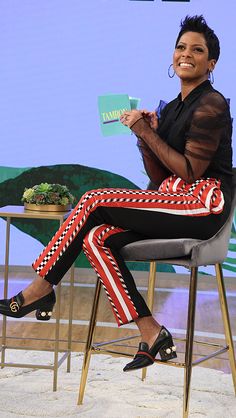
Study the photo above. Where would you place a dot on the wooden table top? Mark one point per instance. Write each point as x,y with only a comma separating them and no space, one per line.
21,212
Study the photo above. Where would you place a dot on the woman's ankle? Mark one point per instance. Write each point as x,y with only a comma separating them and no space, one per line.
149,329
36,290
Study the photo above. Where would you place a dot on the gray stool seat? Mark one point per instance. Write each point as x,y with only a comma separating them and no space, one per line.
158,249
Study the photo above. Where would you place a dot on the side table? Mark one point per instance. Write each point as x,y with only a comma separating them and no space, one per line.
10,212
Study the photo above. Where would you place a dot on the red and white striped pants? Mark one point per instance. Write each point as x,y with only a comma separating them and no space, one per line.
106,219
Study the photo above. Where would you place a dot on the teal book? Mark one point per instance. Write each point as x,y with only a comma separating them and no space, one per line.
111,107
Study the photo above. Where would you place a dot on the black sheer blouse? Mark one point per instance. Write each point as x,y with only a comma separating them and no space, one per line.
193,139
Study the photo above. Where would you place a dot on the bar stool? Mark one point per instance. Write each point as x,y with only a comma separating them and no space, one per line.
192,254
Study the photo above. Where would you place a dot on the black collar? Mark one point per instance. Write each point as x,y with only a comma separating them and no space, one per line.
180,104
205,85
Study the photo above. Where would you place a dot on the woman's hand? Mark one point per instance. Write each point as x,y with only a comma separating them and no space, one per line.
129,117
151,118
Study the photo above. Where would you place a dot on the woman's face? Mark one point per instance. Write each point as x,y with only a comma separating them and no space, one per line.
190,59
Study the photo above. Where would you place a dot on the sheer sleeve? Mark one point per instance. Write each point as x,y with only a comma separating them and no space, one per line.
153,166
202,138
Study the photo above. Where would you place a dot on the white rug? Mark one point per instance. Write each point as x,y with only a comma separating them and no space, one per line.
110,393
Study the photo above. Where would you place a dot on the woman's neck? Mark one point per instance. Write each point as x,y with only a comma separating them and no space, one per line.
187,86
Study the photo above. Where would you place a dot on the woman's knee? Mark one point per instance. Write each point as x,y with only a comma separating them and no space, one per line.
91,238
97,236
90,193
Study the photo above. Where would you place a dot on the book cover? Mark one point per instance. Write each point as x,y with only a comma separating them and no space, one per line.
110,108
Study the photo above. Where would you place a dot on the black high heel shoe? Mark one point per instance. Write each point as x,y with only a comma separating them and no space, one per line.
146,356
43,306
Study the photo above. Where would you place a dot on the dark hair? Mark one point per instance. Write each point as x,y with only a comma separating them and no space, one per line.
198,24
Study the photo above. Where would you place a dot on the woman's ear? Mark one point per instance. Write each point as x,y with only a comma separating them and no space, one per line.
212,64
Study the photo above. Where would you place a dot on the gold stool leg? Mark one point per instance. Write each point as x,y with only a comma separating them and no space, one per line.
71,302
150,298
189,340
57,336
6,274
226,321
89,342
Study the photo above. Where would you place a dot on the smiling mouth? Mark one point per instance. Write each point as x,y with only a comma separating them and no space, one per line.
186,65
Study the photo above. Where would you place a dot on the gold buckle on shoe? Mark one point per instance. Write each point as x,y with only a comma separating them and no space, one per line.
14,306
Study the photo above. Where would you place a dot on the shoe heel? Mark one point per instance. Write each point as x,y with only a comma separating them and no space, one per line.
44,314
168,350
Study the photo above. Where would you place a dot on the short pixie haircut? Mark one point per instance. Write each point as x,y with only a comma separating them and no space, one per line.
198,24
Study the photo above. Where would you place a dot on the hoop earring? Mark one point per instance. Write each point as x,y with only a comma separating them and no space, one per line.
169,73
211,77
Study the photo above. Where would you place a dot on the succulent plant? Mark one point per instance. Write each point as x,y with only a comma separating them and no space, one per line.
48,194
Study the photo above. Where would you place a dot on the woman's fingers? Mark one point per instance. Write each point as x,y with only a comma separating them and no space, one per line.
128,118
154,120
124,118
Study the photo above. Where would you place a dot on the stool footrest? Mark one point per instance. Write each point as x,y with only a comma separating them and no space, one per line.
98,348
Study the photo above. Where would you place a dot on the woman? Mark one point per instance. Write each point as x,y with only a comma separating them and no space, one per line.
187,155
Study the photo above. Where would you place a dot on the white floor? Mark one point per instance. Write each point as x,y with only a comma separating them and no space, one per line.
110,393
